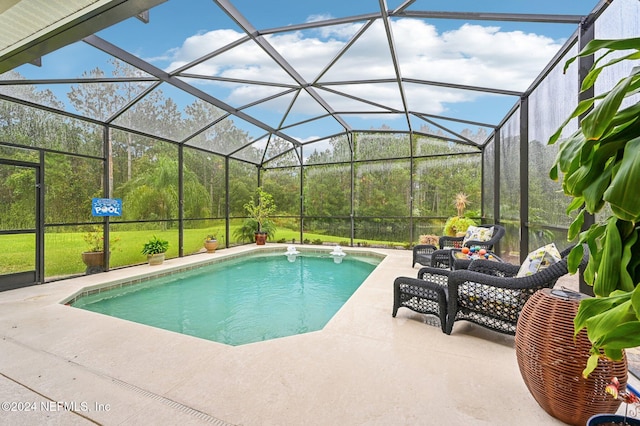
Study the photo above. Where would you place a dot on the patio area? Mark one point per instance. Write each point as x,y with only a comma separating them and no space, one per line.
363,121
365,367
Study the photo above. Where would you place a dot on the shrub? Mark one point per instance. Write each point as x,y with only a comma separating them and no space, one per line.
155,246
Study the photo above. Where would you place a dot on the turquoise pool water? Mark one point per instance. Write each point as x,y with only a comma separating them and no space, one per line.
243,300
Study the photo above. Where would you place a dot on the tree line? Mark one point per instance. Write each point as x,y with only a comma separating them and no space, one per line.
144,169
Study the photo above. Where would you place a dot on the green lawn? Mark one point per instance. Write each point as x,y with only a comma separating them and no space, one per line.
63,250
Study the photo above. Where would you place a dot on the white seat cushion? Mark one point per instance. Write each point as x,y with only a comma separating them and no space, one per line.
477,233
539,259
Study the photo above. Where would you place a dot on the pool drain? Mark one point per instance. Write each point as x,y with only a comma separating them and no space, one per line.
173,404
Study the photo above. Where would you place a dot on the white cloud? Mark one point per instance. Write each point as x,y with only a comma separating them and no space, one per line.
319,18
199,45
469,55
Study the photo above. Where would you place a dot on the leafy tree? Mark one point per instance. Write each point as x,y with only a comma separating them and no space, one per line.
95,100
327,190
70,185
29,92
105,100
18,196
153,194
280,153
338,151
284,185
373,146
33,127
208,171
382,189
242,182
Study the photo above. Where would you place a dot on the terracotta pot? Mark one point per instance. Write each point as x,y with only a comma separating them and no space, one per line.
261,238
211,245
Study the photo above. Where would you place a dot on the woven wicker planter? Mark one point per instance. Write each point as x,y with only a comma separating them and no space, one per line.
612,419
551,361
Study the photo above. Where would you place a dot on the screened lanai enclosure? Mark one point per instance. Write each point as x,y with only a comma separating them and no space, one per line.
362,119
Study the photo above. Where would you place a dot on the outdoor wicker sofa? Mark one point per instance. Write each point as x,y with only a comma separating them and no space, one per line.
488,293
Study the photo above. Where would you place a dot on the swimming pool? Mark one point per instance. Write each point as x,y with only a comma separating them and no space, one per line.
241,300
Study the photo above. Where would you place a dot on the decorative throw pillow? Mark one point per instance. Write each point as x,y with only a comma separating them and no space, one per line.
477,233
539,259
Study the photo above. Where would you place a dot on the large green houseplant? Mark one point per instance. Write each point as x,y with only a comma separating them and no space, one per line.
600,169
258,225
456,226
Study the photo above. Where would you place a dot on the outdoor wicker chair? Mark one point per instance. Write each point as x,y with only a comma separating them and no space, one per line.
441,258
422,253
488,293
491,295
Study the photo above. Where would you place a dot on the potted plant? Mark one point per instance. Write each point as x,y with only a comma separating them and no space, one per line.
211,243
155,249
613,389
93,257
430,239
456,226
259,208
600,167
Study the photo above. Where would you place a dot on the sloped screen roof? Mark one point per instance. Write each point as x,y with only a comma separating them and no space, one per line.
302,72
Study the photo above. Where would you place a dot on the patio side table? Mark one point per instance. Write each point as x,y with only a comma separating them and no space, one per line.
459,260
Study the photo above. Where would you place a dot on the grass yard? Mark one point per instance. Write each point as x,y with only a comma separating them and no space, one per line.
63,249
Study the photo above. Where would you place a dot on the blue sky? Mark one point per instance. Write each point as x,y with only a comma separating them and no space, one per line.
506,55
172,24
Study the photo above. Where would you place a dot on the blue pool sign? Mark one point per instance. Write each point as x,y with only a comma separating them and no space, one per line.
106,207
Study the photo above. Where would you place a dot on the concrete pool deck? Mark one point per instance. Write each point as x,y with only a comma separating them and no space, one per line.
66,366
